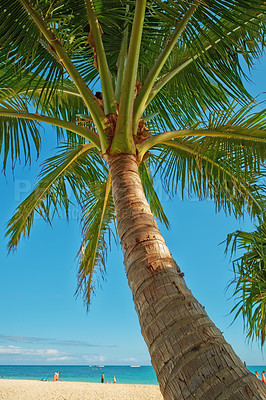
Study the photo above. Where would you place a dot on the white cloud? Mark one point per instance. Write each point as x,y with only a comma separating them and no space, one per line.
11,350
50,342
52,351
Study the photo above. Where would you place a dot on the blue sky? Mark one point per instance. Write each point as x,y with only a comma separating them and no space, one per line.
42,322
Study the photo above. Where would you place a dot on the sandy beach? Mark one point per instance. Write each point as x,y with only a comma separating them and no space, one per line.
11,389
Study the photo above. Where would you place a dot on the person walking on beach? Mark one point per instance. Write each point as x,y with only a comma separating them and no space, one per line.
114,380
263,377
257,374
102,378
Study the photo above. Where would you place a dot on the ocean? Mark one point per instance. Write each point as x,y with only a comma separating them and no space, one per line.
124,374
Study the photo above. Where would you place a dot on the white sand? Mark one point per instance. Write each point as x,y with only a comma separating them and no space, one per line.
11,389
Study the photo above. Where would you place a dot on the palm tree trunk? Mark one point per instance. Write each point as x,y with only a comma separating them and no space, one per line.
189,354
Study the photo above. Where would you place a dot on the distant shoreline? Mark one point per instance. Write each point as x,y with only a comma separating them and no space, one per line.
132,375
5,378
124,374
93,366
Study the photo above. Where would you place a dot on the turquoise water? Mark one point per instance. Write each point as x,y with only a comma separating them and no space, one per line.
124,374
258,368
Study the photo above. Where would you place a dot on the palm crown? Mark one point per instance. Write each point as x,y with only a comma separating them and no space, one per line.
178,75
167,71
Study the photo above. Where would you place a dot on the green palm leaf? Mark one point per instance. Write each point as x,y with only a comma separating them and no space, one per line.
219,158
98,215
237,122
36,56
250,279
71,170
16,136
226,30
65,111
206,68
216,169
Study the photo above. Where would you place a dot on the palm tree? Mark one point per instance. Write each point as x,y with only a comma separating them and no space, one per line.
250,279
168,72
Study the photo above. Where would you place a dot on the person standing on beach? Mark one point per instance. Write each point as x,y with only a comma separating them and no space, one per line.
102,378
263,377
56,376
114,380
257,374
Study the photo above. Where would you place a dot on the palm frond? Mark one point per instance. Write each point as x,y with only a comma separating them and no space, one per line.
250,279
223,170
229,32
241,120
17,137
68,172
206,67
65,111
98,215
24,51
236,122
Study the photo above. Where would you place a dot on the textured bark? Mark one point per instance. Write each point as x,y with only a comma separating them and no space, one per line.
189,354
